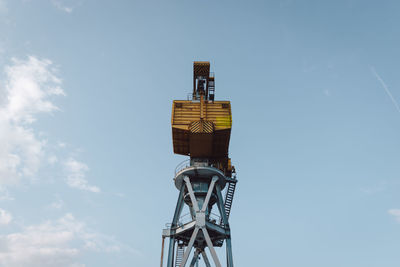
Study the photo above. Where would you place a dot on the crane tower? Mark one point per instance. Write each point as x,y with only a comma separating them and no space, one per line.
201,129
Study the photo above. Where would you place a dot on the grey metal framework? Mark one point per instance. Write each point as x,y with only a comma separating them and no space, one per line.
200,188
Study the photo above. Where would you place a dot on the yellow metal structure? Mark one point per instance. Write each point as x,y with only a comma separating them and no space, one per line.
201,127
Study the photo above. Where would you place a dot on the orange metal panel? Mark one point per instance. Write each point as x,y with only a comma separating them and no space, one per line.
215,143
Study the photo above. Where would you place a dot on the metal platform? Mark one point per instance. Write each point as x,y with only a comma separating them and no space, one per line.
204,173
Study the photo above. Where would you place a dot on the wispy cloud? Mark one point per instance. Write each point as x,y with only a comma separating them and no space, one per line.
5,217
25,92
62,145
52,159
76,172
27,88
58,204
53,243
395,213
62,6
382,82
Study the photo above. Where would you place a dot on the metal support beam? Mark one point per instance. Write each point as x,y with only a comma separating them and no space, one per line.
191,194
209,193
205,258
171,250
200,223
162,251
195,258
229,256
178,211
189,247
221,206
179,207
211,248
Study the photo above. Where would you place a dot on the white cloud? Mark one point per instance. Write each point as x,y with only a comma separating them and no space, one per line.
53,243
395,213
52,159
62,145
29,85
5,217
58,204
24,93
62,6
76,176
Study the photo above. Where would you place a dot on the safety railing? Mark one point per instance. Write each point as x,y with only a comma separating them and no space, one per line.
214,218
183,165
184,219
187,218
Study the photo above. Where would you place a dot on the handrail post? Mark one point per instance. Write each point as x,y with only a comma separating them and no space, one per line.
162,252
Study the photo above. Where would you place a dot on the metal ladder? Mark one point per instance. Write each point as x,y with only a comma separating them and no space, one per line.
179,254
228,200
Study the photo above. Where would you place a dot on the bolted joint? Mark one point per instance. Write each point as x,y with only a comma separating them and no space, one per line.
200,219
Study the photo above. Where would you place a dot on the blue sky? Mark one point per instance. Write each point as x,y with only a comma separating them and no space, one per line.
86,161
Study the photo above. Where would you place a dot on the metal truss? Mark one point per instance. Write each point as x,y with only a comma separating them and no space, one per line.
200,227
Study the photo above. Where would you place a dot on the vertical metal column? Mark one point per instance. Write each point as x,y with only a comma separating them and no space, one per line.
220,204
162,252
178,211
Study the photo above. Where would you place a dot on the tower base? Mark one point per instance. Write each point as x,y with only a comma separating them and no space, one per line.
200,187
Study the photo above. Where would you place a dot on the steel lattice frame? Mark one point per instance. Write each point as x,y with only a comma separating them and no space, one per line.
200,226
